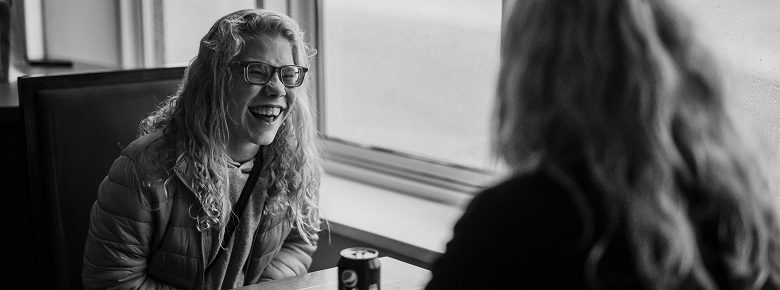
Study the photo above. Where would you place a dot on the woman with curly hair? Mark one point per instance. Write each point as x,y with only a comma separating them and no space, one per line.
629,169
221,188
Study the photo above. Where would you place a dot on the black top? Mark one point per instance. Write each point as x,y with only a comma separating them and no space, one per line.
528,233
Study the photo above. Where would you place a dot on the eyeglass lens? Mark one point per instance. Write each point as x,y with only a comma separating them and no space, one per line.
261,73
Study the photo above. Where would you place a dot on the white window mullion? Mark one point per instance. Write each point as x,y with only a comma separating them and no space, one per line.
141,33
131,34
152,33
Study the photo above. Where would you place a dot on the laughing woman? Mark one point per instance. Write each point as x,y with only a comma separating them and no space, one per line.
221,188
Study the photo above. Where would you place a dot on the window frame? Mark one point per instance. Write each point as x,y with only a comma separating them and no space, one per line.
403,172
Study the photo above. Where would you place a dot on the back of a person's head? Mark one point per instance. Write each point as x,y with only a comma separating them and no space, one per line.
624,87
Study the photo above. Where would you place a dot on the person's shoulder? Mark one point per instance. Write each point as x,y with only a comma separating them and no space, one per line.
144,145
535,186
141,164
530,216
147,155
528,202
535,178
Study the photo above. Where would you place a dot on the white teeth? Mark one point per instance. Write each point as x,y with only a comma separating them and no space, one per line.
268,111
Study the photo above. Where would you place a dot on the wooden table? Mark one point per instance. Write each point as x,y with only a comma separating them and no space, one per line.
396,275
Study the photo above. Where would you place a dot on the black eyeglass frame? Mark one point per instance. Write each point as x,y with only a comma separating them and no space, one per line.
277,70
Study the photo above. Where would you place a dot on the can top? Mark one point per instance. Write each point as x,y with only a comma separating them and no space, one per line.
359,253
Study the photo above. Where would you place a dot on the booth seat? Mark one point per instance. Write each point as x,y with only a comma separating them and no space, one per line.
75,126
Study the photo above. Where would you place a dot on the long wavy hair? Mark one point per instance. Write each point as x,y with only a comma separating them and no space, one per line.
623,87
195,120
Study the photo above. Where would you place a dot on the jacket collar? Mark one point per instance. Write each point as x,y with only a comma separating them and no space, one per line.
182,171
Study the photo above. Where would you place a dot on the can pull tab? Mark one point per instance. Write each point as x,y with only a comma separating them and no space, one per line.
361,254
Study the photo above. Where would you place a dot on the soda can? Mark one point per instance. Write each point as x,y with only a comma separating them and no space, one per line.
359,269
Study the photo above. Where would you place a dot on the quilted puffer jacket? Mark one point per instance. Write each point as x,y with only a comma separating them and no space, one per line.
142,238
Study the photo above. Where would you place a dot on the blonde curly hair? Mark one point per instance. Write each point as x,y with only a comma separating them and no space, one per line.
623,86
195,120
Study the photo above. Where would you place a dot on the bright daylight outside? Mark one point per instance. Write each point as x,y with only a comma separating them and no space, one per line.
745,37
412,76
418,77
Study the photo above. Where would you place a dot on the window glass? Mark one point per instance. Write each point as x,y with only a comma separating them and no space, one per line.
412,76
745,36
185,22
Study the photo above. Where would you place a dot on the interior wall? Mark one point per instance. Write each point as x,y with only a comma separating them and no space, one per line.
71,34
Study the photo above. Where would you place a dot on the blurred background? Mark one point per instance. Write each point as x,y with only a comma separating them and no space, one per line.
404,89
409,76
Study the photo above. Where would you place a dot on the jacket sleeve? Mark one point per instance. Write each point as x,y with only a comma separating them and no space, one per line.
293,259
120,231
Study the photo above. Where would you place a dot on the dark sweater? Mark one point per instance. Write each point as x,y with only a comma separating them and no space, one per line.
527,233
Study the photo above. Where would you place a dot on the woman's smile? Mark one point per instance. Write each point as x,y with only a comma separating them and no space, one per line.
267,113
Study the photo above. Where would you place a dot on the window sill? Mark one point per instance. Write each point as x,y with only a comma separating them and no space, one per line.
388,213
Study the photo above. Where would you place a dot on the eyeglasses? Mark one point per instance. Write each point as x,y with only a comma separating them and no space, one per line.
260,73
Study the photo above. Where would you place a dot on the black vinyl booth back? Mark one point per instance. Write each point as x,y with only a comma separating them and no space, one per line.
76,125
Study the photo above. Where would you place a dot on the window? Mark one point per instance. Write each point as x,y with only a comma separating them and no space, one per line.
393,81
156,32
184,22
412,76
745,36
407,86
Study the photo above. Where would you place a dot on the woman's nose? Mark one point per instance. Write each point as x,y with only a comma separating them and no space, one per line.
274,88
